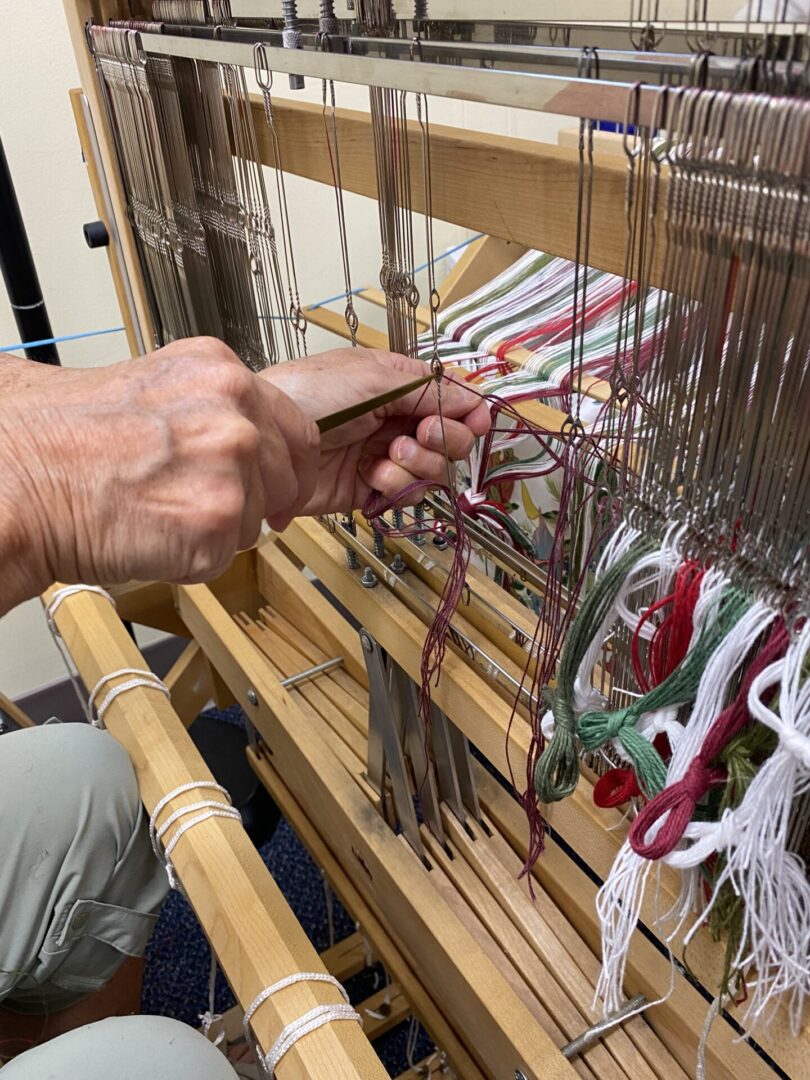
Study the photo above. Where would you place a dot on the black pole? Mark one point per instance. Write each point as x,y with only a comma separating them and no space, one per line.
19,272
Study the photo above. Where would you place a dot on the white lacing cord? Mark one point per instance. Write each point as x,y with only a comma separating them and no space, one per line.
50,612
141,677
304,1025
209,808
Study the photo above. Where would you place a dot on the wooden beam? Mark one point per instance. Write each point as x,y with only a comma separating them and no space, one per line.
480,262
251,928
533,201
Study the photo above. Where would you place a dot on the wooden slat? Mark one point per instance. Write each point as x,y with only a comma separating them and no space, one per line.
346,958
377,298
335,323
15,713
527,919
391,1009
447,954
303,605
77,13
679,1019
515,189
254,933
77,103
189,682
373,926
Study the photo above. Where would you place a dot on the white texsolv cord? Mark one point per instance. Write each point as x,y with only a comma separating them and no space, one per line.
50,613
304,1025
140,677
204,810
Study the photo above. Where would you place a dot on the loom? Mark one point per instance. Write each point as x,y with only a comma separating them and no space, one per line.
590,252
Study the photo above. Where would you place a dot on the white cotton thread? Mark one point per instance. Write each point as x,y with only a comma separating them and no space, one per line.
209,1019
210,808
310,1021
620,898
142,678
50,612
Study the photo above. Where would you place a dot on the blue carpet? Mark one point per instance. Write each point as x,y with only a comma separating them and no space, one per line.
178,956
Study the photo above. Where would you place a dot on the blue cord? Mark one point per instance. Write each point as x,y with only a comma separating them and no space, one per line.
313,307
57,340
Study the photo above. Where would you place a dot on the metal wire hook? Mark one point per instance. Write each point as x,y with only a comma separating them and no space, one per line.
261,67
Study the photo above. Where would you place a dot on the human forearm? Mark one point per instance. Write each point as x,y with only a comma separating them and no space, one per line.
23,572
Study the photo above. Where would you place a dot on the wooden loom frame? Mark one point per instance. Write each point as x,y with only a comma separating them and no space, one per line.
512,215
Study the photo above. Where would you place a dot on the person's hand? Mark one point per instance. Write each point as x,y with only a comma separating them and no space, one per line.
391,448
159,468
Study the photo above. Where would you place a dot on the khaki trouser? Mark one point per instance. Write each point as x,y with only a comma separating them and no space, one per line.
80,889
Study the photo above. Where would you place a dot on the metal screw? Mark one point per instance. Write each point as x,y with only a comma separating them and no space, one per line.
327,23
291,36
440,542
379,544
369,578
397,517
252,696
399,566
419,518
366,641
519,1075
352,560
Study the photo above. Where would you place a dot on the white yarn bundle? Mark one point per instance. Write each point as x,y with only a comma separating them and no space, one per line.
620,899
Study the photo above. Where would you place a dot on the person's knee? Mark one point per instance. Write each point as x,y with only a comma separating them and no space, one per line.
138,1047
67,773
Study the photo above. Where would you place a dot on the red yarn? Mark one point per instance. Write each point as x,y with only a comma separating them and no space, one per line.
615,788
670,642
677,802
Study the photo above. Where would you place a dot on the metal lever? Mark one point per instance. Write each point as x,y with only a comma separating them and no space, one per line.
403,691
384,743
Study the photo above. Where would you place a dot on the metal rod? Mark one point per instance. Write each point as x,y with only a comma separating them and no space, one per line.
310,673
556,94
20,273
586,1040
530,77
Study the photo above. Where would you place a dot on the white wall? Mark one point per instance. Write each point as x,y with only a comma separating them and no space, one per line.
42,147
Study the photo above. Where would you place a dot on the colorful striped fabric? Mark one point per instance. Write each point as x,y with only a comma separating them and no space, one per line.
530,306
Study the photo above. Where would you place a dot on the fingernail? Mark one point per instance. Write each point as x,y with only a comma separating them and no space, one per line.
405,450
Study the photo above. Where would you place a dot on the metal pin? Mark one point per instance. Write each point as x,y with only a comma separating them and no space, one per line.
310,673
586,1040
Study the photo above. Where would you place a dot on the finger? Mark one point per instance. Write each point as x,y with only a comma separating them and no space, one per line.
253,513
434,433
391,479
457,400
424,464
280,421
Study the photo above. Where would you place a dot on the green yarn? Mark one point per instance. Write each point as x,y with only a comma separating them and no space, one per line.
679,688
557,770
